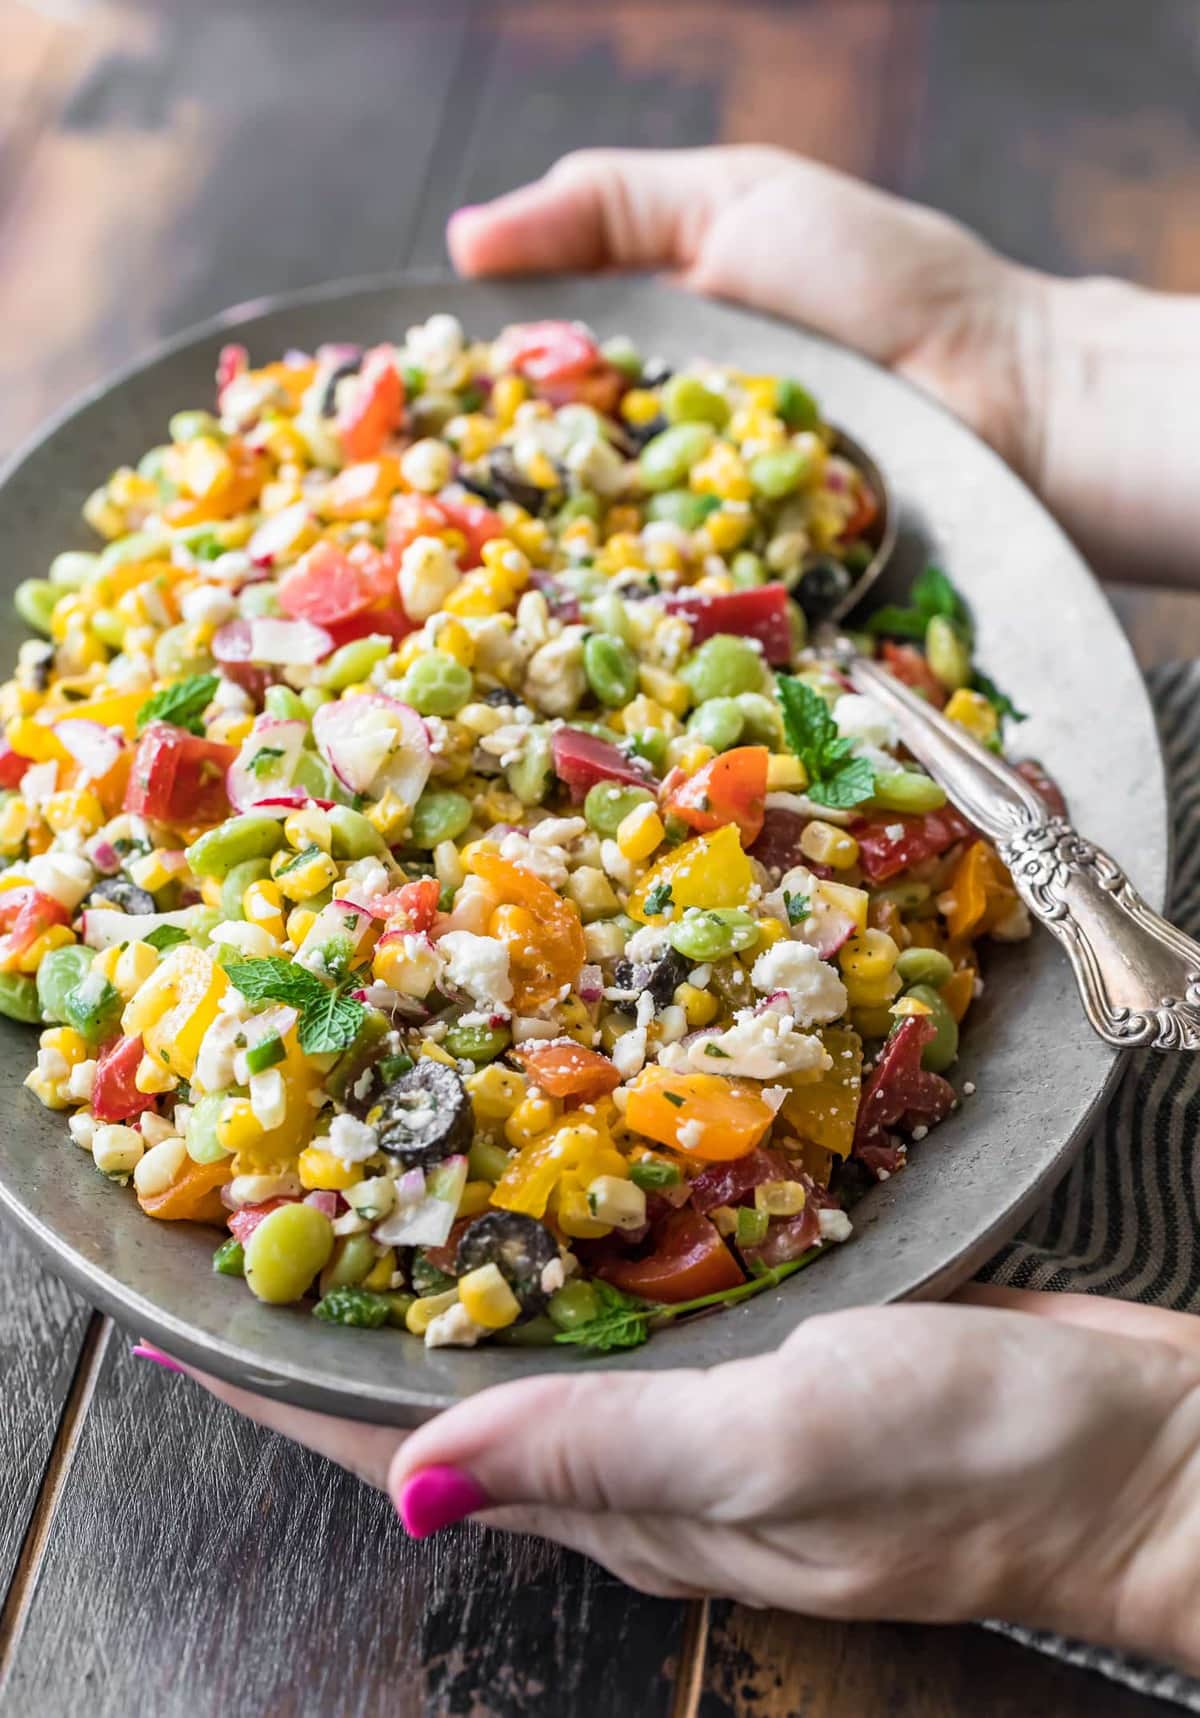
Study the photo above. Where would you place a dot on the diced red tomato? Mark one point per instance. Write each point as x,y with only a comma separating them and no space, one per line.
901,1093
374,405
687,1258
410,517
906,662
732,788
24,915
419,901
864,515
12,766
178,778
788,1238
115,1097
889,844
731,1183
477,522
581,760
600,388
328,584
778,846
243,1223
445,1257
569,1071
547,351
760,614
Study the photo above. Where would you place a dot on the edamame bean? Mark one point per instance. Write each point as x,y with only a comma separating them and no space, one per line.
947,653
651,744
238,881
707,933
72,569
611,669
763,720
585,505
573,1304
665,461
486,1161
437,685
682,507
607,613
239,838
722,667
61,971
439,815
534,1333
19,998
623,355
747,570
718,723
311,699
284,704
528,775
943,1048
351,835
286,1250
257,600
353,1259
138,546
314,775
795,405
477,1043
186,426
353,662
924,966
608,804
780,471
907,790
109,628
685,399
201,1138
34,601
175,651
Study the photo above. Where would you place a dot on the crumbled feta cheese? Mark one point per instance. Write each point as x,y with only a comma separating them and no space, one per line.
433,345
553,1276
250,940
229,696
268,1098
454,1328
253,1189
969,1089
207,605
691,1135
351,1140
774,1095
478,965
529,1026
646,943
815,992
546,861
835,1225
862,718
557,831
82,1129
629,1052
618,867
214,1069
65,876
762,1046
52,1064
80,1082
367,879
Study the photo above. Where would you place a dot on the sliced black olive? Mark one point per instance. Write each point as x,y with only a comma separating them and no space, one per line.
424,1116
501,695
348,367
850,1178
496,479
660,977
117,892
821,587
37,664
640,434
655,371
520,1247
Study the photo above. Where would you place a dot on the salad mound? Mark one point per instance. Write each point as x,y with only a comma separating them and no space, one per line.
435,858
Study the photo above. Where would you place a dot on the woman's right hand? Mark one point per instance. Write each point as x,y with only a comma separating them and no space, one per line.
1090,389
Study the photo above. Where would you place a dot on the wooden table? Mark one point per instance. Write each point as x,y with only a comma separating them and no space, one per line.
159,161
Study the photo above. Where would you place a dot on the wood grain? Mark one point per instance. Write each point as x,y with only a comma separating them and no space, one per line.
201,1567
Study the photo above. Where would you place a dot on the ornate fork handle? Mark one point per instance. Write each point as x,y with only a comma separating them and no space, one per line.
1138,976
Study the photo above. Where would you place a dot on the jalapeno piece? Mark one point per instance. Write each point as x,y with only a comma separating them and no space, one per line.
520,1247
424,1116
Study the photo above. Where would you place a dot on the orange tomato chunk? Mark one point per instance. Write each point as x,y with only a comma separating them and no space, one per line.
704,1116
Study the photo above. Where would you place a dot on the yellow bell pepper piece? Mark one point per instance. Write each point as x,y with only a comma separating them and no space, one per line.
175,1008
826,1111
708,871
574,1151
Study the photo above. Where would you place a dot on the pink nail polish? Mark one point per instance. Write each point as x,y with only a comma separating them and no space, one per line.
143,1351
465,209
437,1497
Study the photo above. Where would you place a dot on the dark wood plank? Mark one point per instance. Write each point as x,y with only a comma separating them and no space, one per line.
1163,626
42,1327
200,1567
766,1664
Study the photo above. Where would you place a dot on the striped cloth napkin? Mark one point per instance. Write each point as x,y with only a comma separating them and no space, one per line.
1125,1221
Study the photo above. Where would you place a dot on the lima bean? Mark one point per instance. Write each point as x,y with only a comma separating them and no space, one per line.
947,653
19,998
611,669
239,838
238,881
907,790
718,723
708,933
924,966
352,836
665,461
943,1048
723,666
34,601
439,815
286,1251
685,399
353,662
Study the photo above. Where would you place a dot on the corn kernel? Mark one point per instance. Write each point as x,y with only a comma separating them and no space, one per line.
699,1006
105,963
532,1116
693,757
299,922
135,962
431,1052
210,891
55,936
665,689
785,774
312,872
972,711
78,810
153,871
70,1045
390,816
906,1005
640,832
780,1198
452,637
829,845
872,1022
508,392
206,470
532,537
231,729
722,472
495,1092
116,1150
320,1169
475,1198
727,528
103,515
238,1127
487,1298
153,1076
308,828
770,931
869,956
872,992
14,825
575,1021
640,406
480,593
422,1313
262,905
575,1216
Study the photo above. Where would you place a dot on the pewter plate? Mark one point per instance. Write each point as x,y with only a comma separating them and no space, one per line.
1045,633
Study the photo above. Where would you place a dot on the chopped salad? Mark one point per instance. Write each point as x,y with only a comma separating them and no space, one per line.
436,859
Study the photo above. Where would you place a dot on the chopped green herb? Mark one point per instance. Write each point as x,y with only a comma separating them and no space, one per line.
658,899
675,1098
182,704
798,907
835,776
653,1173
1000,701
353,1306
265,1053
229,1260
263,760
165,937
716,1050
329,1020
932,594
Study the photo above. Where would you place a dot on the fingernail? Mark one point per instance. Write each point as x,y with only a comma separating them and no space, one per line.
466,209
437,1497
143,1351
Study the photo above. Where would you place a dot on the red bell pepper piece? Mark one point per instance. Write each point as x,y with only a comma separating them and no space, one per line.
12,766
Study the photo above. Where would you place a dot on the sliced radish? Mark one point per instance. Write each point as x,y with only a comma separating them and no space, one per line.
105,926
283,804
94,747
338,938
286,643
266,763
374,744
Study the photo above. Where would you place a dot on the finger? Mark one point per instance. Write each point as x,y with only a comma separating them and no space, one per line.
605,208
1096,1312
626,1548
365,1450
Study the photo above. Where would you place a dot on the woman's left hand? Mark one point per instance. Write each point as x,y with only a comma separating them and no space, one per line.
1025,1456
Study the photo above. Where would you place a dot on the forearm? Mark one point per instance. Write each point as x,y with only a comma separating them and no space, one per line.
1113,410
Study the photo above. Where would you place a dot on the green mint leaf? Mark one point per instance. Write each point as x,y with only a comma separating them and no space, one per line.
891,621
1000,701
807,722
165,937
182,704
621,1322
933,593
798,907
658,899
330,1022
849,785
276,980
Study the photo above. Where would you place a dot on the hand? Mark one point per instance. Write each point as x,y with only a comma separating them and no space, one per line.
1031,1457
1090,389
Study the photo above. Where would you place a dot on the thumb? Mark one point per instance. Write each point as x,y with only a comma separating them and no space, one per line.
608,1442
600,208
